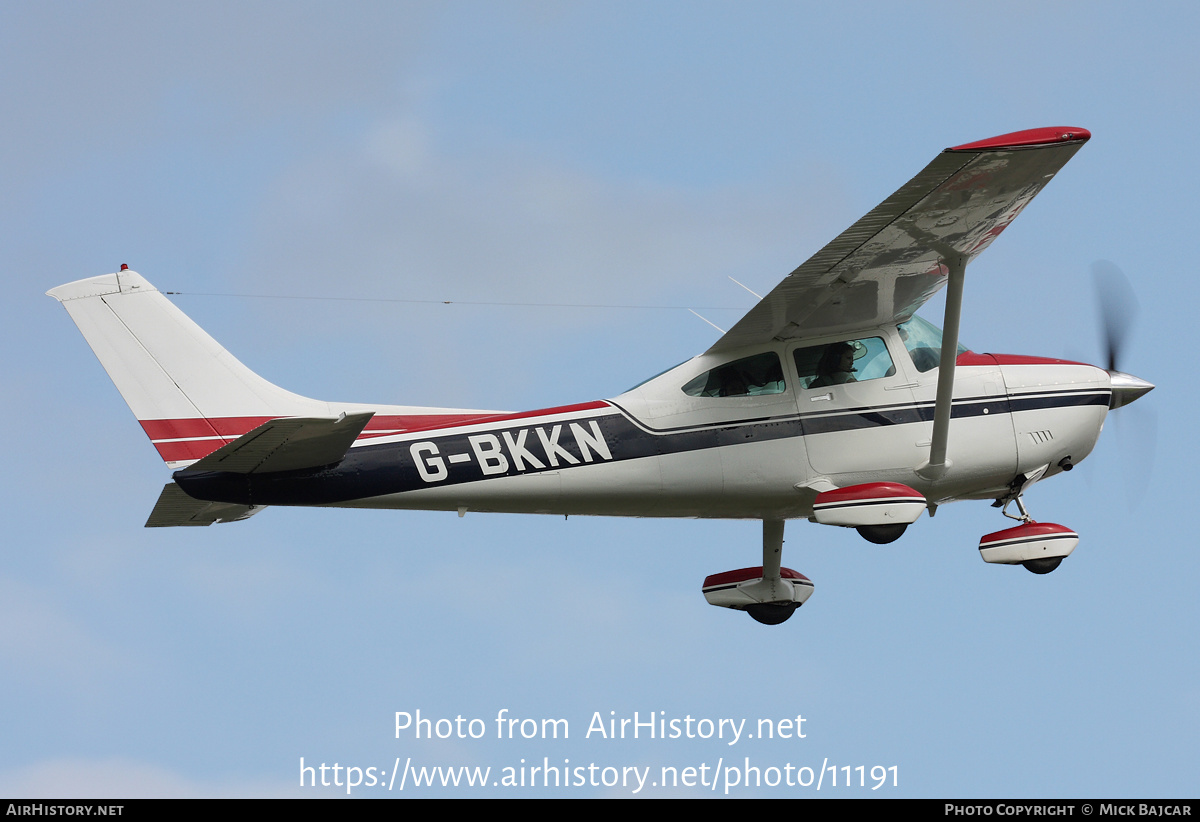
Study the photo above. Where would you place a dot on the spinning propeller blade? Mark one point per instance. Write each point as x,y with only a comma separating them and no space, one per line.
1118,308
1139,435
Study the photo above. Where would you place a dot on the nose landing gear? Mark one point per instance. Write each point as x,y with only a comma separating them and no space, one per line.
1038,546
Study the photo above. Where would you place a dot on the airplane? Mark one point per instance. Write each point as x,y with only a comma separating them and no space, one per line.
830,400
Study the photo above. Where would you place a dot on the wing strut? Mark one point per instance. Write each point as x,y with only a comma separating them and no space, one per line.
937,464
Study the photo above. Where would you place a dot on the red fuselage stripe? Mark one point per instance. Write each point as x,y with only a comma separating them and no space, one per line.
191,439
971,358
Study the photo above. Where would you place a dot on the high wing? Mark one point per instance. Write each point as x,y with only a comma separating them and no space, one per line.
885,266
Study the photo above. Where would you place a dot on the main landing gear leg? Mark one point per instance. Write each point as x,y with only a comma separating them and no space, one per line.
773,613
769,593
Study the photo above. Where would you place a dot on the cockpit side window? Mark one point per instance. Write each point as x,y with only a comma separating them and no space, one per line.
923,340
752,376
842,362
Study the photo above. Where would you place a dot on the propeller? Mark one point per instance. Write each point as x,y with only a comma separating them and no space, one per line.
1118,309
1139,437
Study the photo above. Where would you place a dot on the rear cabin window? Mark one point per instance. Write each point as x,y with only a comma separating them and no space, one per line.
752,376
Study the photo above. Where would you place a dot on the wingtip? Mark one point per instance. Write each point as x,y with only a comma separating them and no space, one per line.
126,280
1030,137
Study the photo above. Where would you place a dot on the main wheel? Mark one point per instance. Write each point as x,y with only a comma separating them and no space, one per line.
1042,566
772,614
882,534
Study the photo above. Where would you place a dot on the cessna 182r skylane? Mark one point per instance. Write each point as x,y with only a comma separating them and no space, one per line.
828,401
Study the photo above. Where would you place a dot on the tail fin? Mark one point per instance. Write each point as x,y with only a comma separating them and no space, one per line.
190,394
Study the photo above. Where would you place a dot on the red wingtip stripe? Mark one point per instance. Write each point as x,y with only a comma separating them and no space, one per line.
1030,137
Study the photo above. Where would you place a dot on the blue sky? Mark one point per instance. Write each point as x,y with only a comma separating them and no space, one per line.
581,154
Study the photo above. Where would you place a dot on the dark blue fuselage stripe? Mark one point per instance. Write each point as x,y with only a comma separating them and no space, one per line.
390,468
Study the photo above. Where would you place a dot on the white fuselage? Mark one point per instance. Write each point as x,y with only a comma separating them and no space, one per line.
657,451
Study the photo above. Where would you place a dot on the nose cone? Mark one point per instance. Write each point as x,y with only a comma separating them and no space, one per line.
1126,388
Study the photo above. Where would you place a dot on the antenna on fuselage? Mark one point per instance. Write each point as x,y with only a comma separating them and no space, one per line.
710,322
748,288
713,324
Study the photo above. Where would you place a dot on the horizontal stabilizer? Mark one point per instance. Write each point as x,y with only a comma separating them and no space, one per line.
174,507
288,444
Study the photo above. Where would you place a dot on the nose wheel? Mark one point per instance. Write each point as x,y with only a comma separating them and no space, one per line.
1042,566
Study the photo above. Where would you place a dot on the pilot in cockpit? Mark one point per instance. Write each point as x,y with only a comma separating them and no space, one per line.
836,366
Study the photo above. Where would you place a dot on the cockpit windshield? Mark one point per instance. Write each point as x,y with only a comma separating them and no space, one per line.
923,340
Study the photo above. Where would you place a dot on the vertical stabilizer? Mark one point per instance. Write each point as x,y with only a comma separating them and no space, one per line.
190,394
